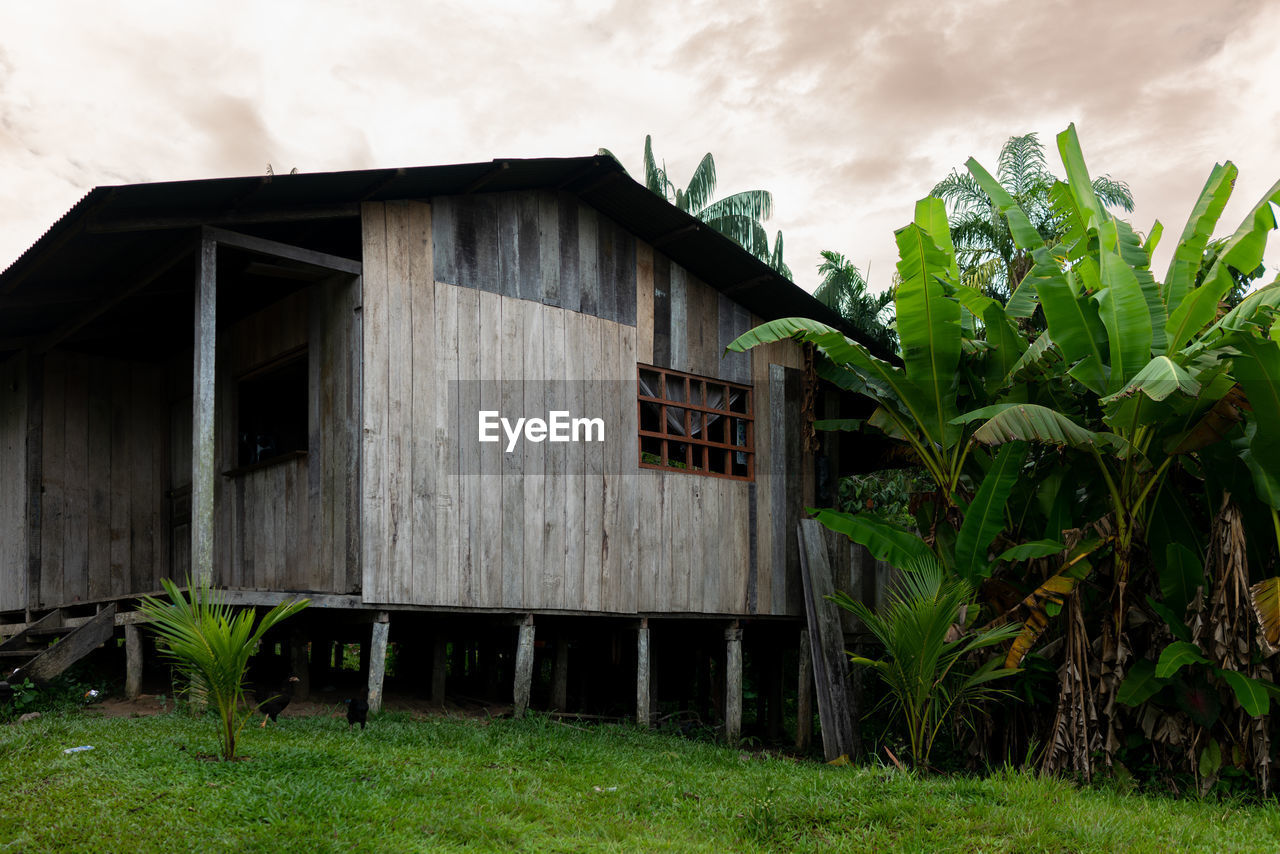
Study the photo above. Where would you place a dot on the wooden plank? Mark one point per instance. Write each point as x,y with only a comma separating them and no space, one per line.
274,248
661,310
35,477
476,249
797,495
628,444
422,417
644,302
73,647
533,481
733,321
594,466
580,386
447,439
679,327
570,296
469,484
804,695
611,581
529,245
98,468
510,487
13,473
54,484
491,454
606,289
203,474
507,228
375,552
549,247
398,478
778,511
444,230
827,643
624,275
324,431
588,260
681,509
75,517
555,496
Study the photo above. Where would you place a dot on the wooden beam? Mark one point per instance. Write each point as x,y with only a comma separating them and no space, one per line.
378,659
274,248
133,661
733,683
826,637
524,667
152,272
73,647
155,223
642,675
203,426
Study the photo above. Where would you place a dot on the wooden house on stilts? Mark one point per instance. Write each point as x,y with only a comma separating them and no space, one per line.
314,384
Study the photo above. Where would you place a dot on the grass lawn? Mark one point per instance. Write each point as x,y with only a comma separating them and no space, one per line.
537,785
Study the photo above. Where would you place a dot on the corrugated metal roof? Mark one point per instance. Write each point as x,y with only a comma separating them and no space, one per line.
109,233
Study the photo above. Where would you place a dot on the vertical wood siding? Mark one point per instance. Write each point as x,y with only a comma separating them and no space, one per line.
13,474
521,292
104,472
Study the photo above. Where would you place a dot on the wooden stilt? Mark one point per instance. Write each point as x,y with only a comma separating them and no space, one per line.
560,677
439,666
524,667
642,674
133,661
804,695
377,659
733,683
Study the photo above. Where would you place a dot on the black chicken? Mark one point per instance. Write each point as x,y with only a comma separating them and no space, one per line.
271,705
357,712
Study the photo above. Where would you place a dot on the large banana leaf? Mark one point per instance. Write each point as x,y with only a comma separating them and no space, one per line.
885,540
1196,309
1195,236
1021,422
1074,324
1024,234
1258,370
1090,209
1124,312
1159,379
1048,598
985,516
929,321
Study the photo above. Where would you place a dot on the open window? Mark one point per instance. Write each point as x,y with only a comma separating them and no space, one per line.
272,412
695,424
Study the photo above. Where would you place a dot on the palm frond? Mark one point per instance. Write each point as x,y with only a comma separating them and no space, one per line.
701,186
756,204
1113,193
745,230
961,192
1021,164
655,177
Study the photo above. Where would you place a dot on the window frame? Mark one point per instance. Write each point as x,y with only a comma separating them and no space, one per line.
695,444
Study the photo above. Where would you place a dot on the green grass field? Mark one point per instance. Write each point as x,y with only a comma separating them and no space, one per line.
537,785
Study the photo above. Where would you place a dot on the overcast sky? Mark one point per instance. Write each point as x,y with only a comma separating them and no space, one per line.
847,112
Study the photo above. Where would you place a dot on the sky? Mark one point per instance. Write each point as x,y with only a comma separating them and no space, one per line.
846,111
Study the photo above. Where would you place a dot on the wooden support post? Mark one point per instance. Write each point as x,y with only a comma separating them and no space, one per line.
203,472
524,667
560,677
300,665
133,661
733,683
378,659
642,674
439,667
804,695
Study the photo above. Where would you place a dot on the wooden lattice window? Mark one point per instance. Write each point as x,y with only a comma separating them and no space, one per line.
695,424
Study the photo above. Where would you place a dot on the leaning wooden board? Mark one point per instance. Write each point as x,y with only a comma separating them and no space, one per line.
826,639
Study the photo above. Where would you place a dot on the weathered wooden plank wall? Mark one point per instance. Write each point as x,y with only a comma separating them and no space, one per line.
537,302
13,474
104,471
295,524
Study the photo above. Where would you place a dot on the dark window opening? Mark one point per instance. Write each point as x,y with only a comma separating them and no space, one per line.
273,412
695,424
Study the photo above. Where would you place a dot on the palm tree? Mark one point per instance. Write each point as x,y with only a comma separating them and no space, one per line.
985,250
845,291
738,217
